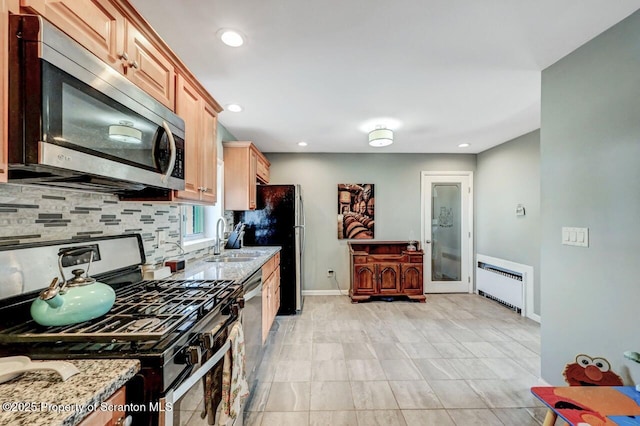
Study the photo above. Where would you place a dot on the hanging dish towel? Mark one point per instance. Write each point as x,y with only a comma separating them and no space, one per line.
212,386
235,388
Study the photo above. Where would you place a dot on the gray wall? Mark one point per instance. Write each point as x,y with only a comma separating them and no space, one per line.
590,150
223,135
397,192
508,175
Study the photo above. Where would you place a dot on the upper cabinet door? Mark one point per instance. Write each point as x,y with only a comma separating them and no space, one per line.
95,24
188,107
148,68
209,156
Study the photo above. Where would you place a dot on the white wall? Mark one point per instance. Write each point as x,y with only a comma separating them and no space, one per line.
397,192
508,175
590,148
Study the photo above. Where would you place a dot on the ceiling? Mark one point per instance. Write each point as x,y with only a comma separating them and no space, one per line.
445,71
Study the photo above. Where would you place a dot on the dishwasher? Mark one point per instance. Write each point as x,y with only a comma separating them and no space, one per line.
252,326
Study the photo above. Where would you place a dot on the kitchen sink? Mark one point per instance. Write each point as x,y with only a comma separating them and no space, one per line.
225,259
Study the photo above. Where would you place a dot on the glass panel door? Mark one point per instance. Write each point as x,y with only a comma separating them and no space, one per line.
446,229
447,233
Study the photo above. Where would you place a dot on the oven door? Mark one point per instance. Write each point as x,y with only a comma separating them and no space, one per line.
77,114
184,401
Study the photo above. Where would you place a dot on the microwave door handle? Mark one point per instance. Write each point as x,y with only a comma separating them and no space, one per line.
172,146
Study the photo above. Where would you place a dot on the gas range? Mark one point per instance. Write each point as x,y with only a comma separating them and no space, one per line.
167,324
144,312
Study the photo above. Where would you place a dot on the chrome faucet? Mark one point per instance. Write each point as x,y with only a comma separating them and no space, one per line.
217,248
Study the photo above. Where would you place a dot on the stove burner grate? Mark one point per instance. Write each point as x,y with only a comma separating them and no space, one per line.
145,311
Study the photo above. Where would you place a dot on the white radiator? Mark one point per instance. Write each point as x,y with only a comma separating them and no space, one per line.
504,281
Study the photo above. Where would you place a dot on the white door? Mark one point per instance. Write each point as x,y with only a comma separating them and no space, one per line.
447,234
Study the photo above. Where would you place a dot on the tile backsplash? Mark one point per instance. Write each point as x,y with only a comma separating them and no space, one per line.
30,214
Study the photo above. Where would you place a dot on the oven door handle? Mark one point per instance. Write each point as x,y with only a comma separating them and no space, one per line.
172,396
253,293
172,146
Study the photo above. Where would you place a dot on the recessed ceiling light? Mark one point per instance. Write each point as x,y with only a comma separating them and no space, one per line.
230,37
303,143
464,145
234,107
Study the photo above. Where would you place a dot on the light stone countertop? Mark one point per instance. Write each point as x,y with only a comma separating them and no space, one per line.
42,398
200,269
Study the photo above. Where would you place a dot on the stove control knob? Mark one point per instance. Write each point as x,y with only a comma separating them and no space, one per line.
240,301
125,421
235,309
193,354
207,340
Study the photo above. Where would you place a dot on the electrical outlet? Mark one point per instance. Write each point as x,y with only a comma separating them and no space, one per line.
330,273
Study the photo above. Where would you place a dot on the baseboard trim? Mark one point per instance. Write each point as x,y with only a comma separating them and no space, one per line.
325,292
535,317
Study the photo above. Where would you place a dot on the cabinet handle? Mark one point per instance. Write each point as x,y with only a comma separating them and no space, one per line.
205,189
134,64
124,56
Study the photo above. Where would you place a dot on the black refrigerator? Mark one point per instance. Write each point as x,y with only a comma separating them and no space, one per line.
278,220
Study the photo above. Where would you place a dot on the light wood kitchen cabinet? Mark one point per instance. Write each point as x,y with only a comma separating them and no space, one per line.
209,159
385,268
106,417
102,27
270,293
200,144
244,166
5,7
148,68
262,169
96,24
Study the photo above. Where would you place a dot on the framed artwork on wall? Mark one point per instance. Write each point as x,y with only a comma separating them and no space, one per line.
356,211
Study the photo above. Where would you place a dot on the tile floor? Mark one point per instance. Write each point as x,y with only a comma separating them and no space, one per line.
455,360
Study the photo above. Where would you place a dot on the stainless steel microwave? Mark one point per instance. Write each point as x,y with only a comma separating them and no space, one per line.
75,122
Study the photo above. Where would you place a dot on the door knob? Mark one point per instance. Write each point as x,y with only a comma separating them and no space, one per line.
428,241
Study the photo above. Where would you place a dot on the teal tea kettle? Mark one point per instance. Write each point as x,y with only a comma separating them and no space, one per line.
76,300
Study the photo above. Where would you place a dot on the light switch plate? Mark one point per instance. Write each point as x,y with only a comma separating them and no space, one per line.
575,236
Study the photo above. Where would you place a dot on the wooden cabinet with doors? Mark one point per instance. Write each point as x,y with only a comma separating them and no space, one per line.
6,6
103,28
116,417
385,268
200,144
244,166
270,293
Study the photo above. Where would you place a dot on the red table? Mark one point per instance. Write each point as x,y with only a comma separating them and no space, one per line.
593,405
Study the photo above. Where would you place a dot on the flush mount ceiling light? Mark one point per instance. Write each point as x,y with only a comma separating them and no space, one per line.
233,107
464,145
303,143
231,38
125,132
380,137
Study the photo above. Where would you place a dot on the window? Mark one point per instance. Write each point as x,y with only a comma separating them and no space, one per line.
198,222
193,218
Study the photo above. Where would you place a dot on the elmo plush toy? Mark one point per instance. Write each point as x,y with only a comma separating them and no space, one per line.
587,371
